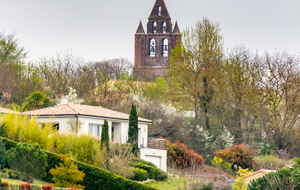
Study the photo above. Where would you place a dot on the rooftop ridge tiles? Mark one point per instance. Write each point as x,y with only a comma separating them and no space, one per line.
77,112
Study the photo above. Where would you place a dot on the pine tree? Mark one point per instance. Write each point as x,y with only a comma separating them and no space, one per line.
28,159
105,136
133,130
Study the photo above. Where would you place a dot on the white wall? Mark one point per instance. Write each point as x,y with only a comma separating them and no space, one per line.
143,134
162,154
85,124
63,123
122,132
117,132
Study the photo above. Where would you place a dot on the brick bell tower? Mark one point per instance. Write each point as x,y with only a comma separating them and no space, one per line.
153,50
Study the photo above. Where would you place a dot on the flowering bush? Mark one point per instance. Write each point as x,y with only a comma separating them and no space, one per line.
240,184
4,185
217,161
180,156
47,187
25,186
240,155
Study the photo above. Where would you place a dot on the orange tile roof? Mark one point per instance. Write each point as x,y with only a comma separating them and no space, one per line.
72,109
4,110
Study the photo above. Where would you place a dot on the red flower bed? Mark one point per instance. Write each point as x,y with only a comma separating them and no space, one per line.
4,185
25,186
47,187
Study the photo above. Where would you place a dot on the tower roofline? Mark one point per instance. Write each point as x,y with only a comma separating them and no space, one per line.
176,29
140,29
164,11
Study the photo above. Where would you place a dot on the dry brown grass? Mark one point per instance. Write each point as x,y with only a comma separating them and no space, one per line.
197,176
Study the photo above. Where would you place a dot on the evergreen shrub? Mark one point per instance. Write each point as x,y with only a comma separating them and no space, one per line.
28,159
285,178
12,173
67,173
137,160
2,154
153,171
140,174
96,178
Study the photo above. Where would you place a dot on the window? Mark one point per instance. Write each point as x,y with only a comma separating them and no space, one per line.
165,47
164,27
152,48
51,126
159,11
154,28
94,130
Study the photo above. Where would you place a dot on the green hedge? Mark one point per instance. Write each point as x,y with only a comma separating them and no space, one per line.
284,178
96,178
153,171
137,160
140,174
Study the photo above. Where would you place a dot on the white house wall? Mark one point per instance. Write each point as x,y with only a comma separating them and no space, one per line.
161,154
124,132
121,134
85,124
63,122
117,132
143,134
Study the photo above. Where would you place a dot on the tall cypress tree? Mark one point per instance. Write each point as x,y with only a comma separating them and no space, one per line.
105,136
133,130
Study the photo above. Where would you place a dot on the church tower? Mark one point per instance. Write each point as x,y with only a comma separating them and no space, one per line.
153,49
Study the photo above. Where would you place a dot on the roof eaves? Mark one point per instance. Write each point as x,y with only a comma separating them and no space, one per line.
85,115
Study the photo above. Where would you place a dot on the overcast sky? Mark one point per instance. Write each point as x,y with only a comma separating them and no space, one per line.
103,29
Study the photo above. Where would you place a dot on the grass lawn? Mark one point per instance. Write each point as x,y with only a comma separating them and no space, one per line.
181,180
177,183
163,184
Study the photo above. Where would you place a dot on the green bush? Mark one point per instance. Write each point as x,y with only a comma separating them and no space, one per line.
4,175
272,162
95,178
67,174
22,128
2,154
81,148
27,159
12,173
285,178
153,172
220,162
137,160
140,174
